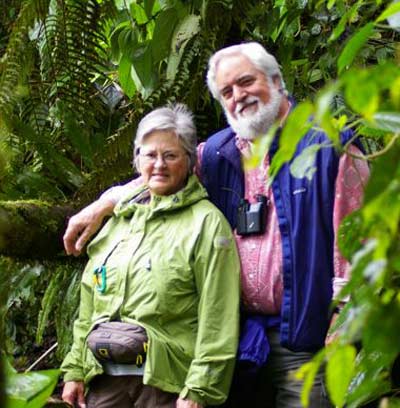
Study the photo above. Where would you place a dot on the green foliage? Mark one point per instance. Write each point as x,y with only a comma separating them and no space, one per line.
29,390
76,77
339,372
23,284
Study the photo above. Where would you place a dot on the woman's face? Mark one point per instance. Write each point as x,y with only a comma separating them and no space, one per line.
163,163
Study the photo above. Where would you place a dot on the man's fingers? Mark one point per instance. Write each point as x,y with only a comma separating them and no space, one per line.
82,240
70,236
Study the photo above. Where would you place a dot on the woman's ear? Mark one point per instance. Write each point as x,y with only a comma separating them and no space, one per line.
136,160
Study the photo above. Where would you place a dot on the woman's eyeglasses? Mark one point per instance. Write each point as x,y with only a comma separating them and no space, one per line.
166,157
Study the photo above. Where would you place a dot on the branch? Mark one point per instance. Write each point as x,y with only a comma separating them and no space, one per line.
372,155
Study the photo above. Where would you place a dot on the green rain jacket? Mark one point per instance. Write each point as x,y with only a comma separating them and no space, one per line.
171,266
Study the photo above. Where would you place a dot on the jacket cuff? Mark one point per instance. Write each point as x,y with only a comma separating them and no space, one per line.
73,376
188,394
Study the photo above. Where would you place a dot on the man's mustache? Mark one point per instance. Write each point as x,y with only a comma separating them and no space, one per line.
241,105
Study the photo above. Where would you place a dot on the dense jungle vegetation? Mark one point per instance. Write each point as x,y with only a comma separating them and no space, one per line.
76,76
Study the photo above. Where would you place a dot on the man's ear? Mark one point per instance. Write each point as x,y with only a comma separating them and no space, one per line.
276,79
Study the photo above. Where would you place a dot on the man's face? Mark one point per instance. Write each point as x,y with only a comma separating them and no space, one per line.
251,101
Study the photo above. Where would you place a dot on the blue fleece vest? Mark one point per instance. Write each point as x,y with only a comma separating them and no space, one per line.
305,212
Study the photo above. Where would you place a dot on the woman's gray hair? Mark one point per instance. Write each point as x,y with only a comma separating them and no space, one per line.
256,54
175,118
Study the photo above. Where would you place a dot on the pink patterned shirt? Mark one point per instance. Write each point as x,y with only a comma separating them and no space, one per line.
261,275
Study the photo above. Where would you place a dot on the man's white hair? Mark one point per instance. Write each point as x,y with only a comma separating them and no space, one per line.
256,54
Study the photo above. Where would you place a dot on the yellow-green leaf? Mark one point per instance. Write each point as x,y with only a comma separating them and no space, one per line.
339,372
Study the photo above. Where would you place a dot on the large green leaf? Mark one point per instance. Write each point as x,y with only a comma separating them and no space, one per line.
296,126
186,29
30,390
138,13
383,319
148,7
362,92
142,69
307,373
304,164
339,372
371,379
165,26
353,46
389,199
385,170
392,9
125,78
389,121
351,234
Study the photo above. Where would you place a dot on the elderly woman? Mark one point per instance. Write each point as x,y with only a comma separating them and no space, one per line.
165,262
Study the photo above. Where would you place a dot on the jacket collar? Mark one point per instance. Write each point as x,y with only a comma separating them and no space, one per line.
190,194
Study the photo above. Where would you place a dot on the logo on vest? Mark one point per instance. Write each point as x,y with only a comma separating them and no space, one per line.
299,191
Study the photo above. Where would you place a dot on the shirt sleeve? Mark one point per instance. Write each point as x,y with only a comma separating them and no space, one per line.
200,149
117,192
353,174
216,269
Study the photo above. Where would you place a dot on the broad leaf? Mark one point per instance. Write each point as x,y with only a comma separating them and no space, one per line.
125,78
393,9
148,7
383,319
386,168
186,30
138,14
260,148
351,234
366,387
362,92
142,69
30,390
339,372
389,121
296,126
165,26
353,46
307,373
389,199
304,164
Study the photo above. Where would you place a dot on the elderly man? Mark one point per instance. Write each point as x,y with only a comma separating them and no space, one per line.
291,267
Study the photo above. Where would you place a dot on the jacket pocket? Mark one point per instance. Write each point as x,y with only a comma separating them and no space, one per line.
175,288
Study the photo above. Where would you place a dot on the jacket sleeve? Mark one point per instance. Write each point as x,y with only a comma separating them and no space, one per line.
217,274
72,366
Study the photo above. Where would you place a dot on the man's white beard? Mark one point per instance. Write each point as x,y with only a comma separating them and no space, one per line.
256,124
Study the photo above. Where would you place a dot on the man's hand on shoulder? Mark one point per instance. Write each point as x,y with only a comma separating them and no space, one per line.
84,224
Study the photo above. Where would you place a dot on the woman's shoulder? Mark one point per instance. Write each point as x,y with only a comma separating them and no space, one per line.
206,210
